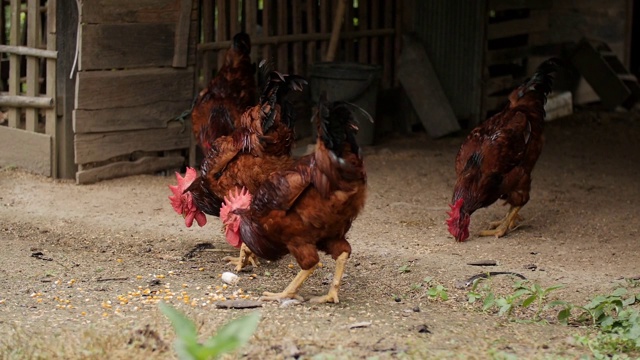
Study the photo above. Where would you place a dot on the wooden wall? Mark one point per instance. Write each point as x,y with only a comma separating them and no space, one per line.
135,74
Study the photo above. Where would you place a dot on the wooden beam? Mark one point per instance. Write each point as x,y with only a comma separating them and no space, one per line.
535,23
25,149
312,7
283,51
27,51
127,11
281,39
296,18
51,116
221,33
33,102
104,146
33,64
181,44
144,165
335,31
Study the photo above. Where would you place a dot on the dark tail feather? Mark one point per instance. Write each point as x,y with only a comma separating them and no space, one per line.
277,87
542,79
337,126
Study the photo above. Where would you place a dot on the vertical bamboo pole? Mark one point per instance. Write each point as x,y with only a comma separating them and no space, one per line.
51,114
296,15
33,68
363,24
311,29
283,48
14,62
251,23
375,24
208,31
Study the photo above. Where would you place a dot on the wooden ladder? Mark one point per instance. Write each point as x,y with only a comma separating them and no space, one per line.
606,74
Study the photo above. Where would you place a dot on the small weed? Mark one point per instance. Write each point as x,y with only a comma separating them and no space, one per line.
228,338
404,269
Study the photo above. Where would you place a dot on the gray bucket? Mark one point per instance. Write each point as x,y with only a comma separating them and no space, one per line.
352,82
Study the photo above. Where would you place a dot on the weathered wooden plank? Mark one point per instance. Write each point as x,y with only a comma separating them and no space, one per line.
130,118
127,11
114,46
283,49
267,7
181,45
208,31
419,79
234,26
103,146
296,18
51,118
221,33
536,23
25,149
145,165
498,5
363,24
26,101
129,88
312,18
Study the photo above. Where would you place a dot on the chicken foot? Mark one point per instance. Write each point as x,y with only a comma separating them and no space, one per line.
502,227
332,296
245,257
291,291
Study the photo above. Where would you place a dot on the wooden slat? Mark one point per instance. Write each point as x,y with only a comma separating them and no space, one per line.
33,64
114,46
129,118
363,24
145,165
251,24
349,46
375,24
23,50
208,30
283,49
128,88
387,47
296,15
324,24
506,55
536,23
266,29
312,7
14,63
26,149
498,5
397,41
181,45
127,11
234,11
103,146
221,33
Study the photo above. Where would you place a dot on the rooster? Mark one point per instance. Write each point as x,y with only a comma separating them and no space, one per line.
496,159
306,206
218,108
265,131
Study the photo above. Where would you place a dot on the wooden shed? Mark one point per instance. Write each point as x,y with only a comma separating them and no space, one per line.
96,89
116,75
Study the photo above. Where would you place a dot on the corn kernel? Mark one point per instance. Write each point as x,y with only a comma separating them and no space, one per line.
202,269
290,266
138,277
119,260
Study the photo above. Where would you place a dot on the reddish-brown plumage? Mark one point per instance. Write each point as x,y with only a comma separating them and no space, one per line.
310,204
218,107
496,159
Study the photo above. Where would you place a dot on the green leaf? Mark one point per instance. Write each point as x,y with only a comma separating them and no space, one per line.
232,335
488,302
619,292
185,328
629,301
552,288
555,303
528,301
521,292
563,316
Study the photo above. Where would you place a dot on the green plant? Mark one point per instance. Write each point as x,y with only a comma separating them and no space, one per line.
228,338
404,269
438,292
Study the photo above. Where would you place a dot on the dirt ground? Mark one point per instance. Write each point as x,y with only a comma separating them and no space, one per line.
83,266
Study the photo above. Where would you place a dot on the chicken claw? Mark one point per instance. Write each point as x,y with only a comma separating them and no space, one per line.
501,228
291,292
332,296
245,257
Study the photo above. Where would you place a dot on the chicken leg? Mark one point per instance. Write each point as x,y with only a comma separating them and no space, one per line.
245,257
291,291
501,228
332,296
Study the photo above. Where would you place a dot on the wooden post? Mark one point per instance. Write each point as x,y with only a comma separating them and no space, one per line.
335,32
375,24
266,29
251,23
398,37
283,49
234,26
324,24
221,34
65,87
33,63
311,29
296,15
387,48
51,114
208,30
363,24
14,62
